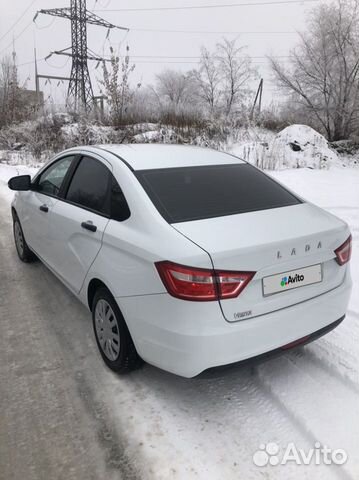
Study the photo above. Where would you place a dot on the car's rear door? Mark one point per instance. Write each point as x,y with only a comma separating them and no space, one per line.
39,202
78,221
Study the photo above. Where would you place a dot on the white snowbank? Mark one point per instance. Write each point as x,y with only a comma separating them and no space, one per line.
294,147
301,146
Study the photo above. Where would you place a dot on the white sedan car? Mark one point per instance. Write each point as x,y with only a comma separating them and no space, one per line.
188,258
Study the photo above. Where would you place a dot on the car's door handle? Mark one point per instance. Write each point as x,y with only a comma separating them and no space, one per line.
89,226
44,208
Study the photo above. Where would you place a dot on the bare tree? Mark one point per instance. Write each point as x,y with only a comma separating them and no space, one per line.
236,70
208,79
323,77
117,85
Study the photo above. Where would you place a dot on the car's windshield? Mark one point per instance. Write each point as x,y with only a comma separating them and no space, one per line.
195,193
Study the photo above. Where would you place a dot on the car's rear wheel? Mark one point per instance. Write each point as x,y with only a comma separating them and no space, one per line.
23,251
112,336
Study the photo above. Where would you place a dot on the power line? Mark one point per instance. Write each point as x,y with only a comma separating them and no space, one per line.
58,67
18,20
31,62
45,26
17,37
198,56
191,61
214,32
80,91
202,7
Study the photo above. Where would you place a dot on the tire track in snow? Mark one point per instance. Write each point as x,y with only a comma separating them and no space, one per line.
333,364
315,418
71,323
328,364
223,416
341,344
336,347
63,326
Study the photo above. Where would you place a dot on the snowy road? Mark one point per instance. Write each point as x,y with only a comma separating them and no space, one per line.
63,415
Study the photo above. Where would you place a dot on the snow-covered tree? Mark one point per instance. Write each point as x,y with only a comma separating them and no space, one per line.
208,79
223,77
174,89
323,76
236,71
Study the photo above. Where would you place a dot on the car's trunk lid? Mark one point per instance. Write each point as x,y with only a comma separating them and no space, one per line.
271,242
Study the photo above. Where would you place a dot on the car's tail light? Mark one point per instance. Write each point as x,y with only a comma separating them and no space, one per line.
232,283
344,252
200,284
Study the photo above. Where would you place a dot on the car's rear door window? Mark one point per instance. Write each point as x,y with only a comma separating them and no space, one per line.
194,193
90,186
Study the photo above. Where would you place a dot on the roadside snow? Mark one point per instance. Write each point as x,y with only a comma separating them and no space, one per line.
9,171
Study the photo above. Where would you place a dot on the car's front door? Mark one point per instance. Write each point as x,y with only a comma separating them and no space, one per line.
40,202
79,221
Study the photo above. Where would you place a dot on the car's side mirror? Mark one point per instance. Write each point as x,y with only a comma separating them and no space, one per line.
22,182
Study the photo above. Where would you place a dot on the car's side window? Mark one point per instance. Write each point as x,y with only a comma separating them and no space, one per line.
89,187
51,179
119,207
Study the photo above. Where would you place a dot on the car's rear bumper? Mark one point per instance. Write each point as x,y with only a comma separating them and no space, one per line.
187,338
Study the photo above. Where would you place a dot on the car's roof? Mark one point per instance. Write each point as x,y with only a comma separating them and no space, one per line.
153,156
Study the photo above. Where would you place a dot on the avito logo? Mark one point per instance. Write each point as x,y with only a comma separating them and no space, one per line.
291,279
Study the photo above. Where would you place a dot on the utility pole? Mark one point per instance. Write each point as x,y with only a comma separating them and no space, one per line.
80,93
258,98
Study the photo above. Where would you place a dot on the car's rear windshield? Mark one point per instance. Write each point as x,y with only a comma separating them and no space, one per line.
194,193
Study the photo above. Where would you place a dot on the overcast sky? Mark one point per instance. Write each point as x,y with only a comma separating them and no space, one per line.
50,33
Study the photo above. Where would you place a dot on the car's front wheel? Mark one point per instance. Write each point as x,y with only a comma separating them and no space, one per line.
112,336
23,251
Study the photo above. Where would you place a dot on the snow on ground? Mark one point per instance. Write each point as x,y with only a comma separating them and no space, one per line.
209,427
8,171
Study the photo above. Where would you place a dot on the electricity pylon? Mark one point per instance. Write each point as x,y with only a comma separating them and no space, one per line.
80,93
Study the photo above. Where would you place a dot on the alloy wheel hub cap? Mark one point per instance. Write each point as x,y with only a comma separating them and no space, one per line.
19,238
107,330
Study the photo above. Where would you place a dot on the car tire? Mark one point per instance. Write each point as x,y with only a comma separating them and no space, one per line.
112,335
22,248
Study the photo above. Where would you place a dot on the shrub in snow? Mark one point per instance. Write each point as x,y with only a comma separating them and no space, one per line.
85,133
37,137
163,135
